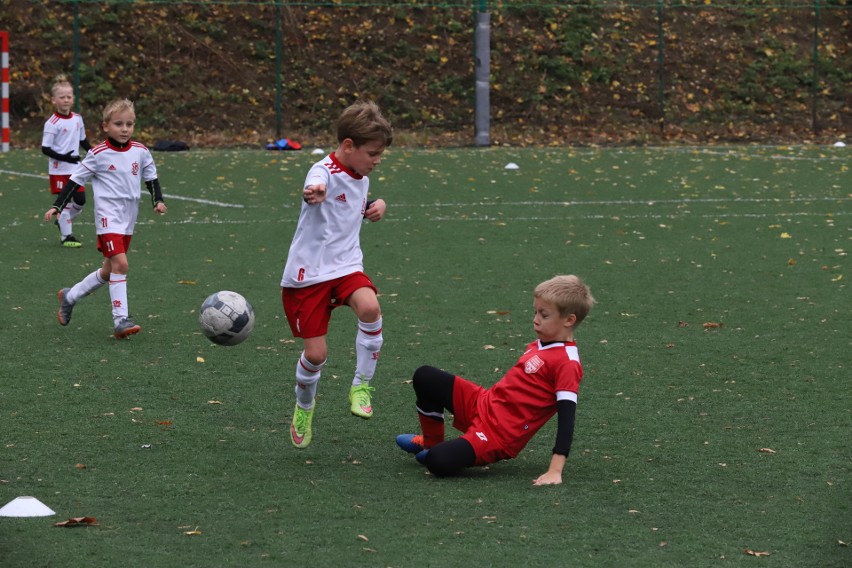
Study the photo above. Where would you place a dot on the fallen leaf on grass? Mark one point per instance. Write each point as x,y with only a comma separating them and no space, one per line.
766,450
199,359
213,402
751,552
712,325
786,236
488,347
363,537
682,324
188,282
80,466
77,522
195,532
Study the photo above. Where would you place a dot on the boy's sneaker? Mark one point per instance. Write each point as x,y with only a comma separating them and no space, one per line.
300,428
126,327
360,401
71,242
413,444
65,308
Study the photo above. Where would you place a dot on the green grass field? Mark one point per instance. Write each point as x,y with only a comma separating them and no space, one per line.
693,445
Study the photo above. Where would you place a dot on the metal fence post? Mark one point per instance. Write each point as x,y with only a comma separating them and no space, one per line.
815,80
76,57
482,43
661,66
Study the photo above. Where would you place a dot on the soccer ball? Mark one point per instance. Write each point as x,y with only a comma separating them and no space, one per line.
226,318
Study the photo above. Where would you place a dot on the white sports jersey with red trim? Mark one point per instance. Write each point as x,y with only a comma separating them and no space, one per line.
520,403
116,175
327,243
63,134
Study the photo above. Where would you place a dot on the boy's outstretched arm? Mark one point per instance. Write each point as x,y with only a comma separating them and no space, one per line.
314,194
566,411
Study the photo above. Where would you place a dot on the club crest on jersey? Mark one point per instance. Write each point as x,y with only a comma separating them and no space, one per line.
533,364
134,168
341,198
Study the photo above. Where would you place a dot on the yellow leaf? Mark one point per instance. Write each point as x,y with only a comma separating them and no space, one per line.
195,532
199,359
786,236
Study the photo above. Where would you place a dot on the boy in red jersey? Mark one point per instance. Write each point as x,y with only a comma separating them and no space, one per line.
499,421
325,267
64,135
116,167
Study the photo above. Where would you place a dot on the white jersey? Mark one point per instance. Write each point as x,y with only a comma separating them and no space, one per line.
63,134
116,175
327,242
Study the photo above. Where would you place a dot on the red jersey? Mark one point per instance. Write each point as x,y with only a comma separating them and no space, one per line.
520,403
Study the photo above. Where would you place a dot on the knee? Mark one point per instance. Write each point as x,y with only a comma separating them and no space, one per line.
422,376
118,264
448,458
79,198
316,354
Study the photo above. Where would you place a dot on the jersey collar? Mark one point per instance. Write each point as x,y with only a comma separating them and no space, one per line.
337,163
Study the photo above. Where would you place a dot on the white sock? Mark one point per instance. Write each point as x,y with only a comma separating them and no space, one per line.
118,295
368,345
85,287
307,377
65,221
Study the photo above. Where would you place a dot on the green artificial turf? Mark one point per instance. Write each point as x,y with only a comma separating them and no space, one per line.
714,417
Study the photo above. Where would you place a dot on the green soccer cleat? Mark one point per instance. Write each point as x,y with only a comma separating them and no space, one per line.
65,308
360,402
126,327
300,428
71,242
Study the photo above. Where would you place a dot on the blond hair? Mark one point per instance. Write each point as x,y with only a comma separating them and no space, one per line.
60,81
363,122
568,293
116,106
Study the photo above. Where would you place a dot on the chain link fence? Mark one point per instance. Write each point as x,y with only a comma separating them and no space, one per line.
636,71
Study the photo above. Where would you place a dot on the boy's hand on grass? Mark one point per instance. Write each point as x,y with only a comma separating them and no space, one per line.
553,475
314,194
549,478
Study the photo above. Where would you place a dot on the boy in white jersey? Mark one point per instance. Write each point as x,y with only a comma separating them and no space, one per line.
324,267
64,135
116,167
497,422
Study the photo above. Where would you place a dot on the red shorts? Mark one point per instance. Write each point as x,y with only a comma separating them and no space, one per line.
111,244
58,182
308,309
466,419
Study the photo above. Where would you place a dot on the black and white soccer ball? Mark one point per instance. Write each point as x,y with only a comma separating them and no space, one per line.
226,318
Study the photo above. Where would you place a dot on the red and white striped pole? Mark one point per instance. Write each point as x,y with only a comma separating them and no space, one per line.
4,78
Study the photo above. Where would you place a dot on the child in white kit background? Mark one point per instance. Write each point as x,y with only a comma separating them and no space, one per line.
116,167
64,134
